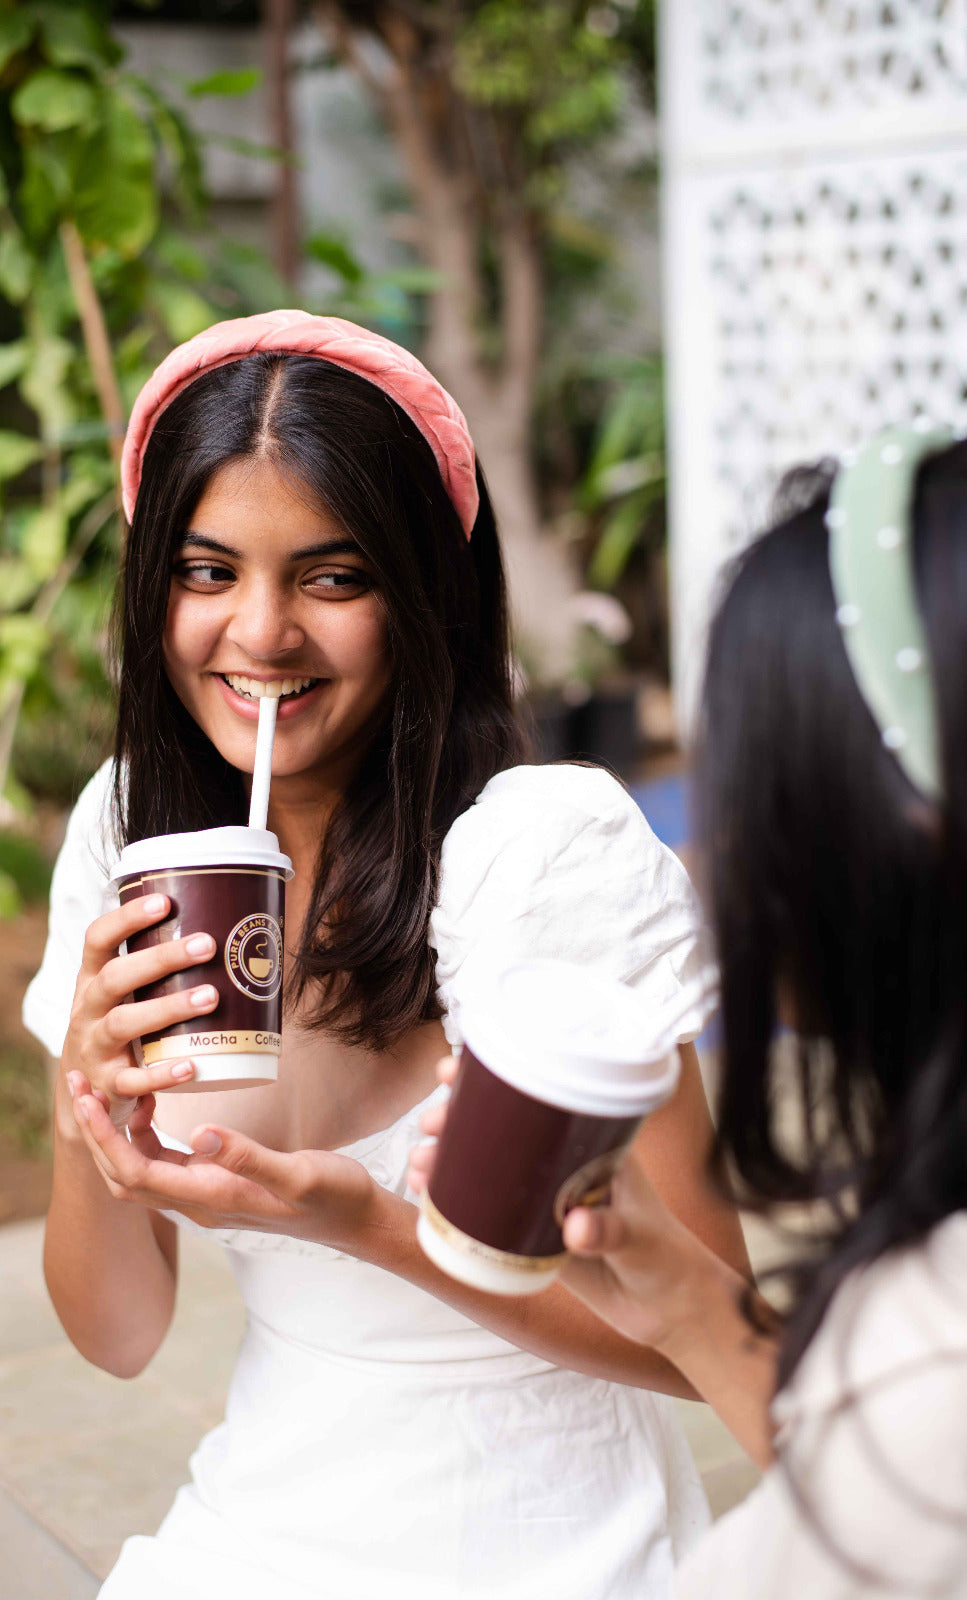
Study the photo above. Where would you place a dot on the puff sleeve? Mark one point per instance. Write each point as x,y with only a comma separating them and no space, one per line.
79,892
558,862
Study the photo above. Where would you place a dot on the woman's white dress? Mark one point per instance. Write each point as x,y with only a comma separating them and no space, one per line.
375,1441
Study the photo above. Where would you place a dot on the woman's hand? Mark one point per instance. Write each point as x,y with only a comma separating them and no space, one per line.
423,1156
230,1181
105,1021
634,1265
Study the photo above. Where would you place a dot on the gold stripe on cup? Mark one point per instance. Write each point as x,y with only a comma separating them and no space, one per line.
462,1242
235,1041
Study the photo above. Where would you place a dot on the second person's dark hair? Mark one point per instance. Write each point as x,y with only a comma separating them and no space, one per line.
838,892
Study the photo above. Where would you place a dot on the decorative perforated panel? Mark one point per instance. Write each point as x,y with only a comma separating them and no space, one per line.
786,59
815,245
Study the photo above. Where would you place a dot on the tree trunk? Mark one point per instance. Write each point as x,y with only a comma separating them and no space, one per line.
279,16
424,116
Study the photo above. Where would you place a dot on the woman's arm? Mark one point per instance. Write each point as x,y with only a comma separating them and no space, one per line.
110,1268
329,1198
672,1147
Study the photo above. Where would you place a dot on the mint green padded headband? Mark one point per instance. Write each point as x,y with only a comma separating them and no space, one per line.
871,564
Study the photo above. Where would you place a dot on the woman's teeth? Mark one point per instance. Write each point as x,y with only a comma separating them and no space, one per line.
255,689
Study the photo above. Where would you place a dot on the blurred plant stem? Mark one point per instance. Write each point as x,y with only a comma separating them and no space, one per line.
96,340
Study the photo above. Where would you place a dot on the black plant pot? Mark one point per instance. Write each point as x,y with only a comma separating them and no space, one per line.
551,727
605,727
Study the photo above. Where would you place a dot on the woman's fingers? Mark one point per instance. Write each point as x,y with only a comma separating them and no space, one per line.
106,934
595,1231
133,1082
121,975
422,1161
124,1023
447,1069
280,1172
432,1121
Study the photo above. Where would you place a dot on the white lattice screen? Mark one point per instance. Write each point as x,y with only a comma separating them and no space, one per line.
815,249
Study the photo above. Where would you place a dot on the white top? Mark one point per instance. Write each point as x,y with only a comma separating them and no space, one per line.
377,1442
869,1499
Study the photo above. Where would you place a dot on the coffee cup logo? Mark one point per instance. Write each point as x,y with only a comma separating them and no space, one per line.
253,956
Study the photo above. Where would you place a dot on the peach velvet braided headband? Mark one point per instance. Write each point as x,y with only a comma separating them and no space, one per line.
387,365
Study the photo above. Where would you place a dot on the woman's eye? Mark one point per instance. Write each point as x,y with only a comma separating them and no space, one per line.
203,572
350,581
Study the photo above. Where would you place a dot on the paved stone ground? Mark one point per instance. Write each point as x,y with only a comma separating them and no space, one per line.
86,1459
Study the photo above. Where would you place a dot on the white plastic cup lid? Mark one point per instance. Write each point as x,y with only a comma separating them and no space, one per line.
207,847
569,1037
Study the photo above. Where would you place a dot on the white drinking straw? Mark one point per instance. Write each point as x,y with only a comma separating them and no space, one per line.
258,811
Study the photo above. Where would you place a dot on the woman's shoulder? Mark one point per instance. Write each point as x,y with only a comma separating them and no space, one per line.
559,863
89,826
564,785
549,806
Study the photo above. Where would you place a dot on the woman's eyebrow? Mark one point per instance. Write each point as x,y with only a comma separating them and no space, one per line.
328,547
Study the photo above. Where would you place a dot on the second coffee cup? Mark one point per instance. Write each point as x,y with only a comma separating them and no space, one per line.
229,882
558,1069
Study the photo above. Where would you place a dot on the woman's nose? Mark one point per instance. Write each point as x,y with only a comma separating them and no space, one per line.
264,625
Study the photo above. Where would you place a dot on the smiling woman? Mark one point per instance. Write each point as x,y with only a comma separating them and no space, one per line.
323,531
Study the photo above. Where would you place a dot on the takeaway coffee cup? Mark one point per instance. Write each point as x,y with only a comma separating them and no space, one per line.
229,882
559,1066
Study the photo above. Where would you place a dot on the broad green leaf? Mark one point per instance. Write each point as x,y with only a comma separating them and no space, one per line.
116,199
16,263
23,640
10,902
44,383
45,189
78,492
17,583
16,32
13,359
45,540
183,312
16,453
73,37
180,256
178,141
620,535
54,100
335,254
241,81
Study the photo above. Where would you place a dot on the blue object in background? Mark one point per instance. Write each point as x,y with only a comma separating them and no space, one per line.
665,804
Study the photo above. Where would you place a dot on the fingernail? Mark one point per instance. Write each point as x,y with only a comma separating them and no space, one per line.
82,1111
204,996
154,904
206,1144
184,1069
72,1086
200,944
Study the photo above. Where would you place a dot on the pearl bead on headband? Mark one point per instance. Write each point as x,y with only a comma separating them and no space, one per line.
391,368
871,565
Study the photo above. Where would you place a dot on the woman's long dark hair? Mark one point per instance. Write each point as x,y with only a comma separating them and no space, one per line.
448,724
840,895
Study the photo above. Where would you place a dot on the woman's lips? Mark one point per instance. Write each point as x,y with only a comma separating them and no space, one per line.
249,709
